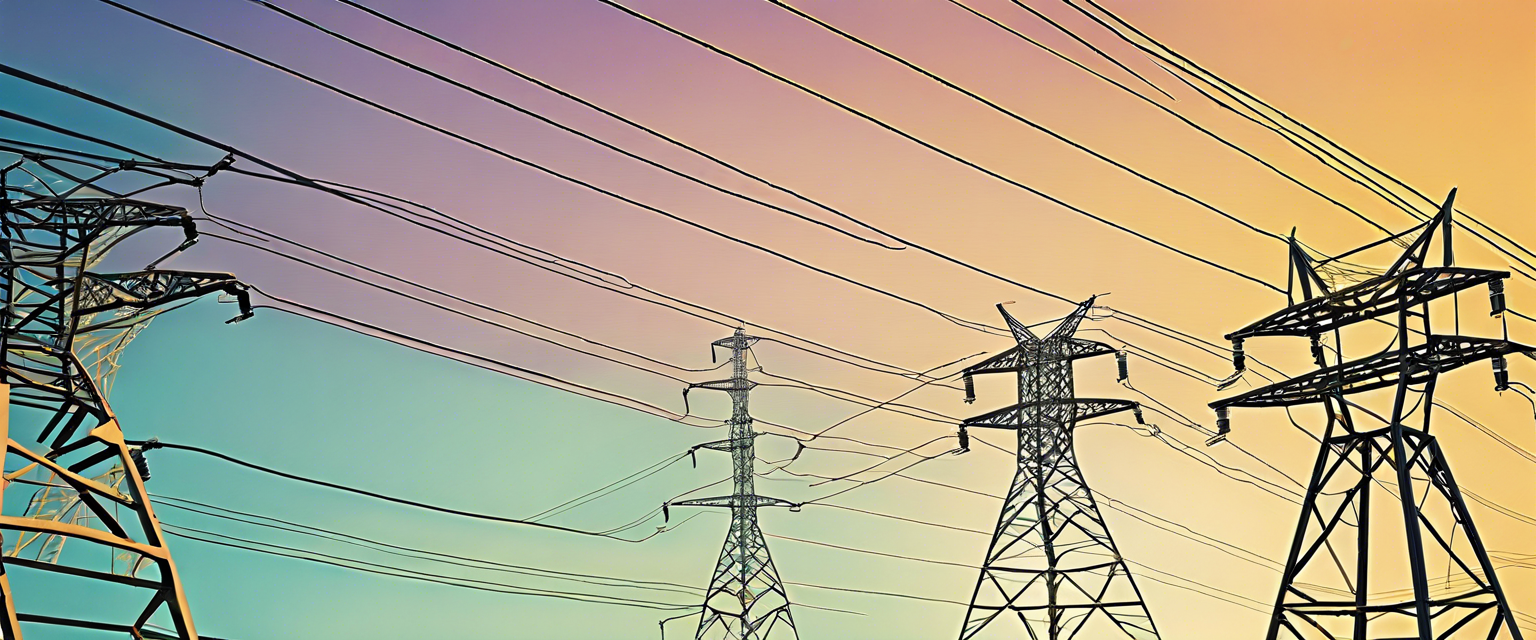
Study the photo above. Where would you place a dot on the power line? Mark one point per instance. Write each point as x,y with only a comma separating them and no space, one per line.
304,181
1264,109
609,488
585,136
866,226
846,396
928,145
1091,47
1274,126
898,397
491,364
833,392
470,562
1185,448
972,567
398,336
659,135
270,522
802,384
268,548
458,312
332,188
889,475
365,492
609,113
871,403
555,174
1169,526
1150,101
330,534
1063,298
1023,120
482,58
849,476
428,289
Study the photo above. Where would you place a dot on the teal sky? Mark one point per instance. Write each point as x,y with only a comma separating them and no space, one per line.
1434,91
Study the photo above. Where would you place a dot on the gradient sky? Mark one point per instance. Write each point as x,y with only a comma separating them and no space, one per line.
1437,92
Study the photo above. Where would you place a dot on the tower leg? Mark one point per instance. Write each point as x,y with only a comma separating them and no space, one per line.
123,521
10,629
1404,464
1439,472
1052,564
746,600
1310,606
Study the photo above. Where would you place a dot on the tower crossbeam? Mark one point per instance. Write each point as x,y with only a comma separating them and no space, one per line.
1338,538
1052,571
62,324
745,600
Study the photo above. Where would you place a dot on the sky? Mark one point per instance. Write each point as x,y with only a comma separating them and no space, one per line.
1437,93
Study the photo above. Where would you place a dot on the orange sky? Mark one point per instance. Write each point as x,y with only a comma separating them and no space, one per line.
1439,93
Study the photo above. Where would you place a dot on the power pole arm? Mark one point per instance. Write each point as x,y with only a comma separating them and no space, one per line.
745,600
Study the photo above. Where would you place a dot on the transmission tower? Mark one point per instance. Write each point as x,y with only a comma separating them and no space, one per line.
1330,587
1052,565
745,600
62,326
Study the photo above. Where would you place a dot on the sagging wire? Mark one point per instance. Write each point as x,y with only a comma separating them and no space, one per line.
570,130
158,444
269,548
494,150
1524,394
450,296
290,177
279,524
464,50
604,490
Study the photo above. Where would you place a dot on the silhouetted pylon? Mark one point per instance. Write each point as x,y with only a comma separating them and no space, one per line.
62,326
1052,571
745,599
1332,584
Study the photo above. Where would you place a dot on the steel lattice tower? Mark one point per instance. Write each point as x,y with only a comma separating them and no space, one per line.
745,600
1331,586
62,326
1051,562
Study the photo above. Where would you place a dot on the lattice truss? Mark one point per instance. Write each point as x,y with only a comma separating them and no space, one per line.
1384,546
746,599
1052,571
79,535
